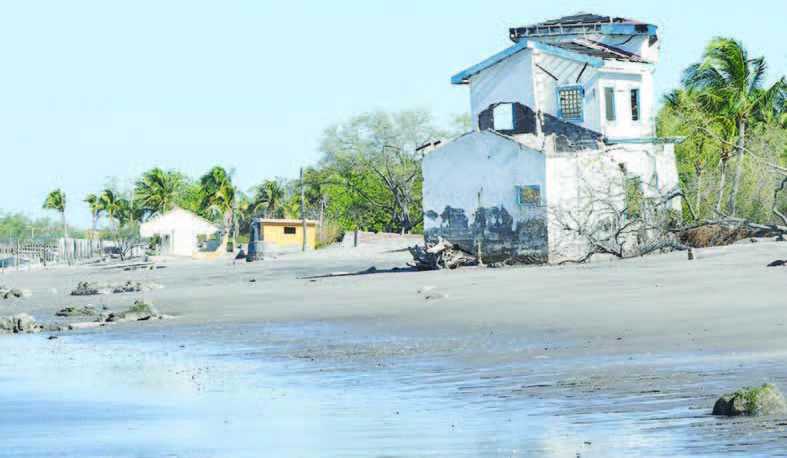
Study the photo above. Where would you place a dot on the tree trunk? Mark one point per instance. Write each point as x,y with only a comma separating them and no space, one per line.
740,149
65,236
722,183
698,198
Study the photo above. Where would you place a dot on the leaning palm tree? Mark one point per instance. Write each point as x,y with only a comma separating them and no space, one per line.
731,85
268,198
56,200
94,204
218,199
113,206
157,191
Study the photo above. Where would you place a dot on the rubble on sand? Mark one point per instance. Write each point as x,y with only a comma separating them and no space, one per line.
21,323
442,255
9,293
86,310
140,311
93,289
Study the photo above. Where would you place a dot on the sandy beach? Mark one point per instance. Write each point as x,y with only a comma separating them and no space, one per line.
604,359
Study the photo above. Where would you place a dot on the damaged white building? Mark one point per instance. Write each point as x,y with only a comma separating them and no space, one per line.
562,119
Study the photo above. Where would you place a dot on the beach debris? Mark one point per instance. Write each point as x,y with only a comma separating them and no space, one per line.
86,310
778,263
9,293
94,289
21,323
442,255
85,289
759,401
140,311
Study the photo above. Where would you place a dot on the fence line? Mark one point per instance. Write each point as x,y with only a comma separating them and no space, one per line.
18,254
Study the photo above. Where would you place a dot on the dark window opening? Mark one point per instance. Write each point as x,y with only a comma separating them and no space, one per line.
571,100
635,104
609,101
289,230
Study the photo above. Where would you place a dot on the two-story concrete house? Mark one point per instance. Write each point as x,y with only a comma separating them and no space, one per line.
564,115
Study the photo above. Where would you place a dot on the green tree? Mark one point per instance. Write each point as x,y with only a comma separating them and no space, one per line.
157,191
731,85
94,204
218,199
56,200
372,165
123,218
268,199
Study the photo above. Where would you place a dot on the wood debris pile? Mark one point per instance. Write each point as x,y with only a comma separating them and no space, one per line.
442,255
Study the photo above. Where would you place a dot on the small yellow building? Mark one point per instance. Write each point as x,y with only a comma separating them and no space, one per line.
283,235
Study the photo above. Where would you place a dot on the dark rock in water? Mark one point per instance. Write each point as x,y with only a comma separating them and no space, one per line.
764,400
18,324
778,263
87,310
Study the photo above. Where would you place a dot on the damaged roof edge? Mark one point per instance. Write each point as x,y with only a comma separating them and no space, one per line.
464,76
645,140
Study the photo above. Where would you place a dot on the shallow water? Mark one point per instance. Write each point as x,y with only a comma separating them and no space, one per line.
328,389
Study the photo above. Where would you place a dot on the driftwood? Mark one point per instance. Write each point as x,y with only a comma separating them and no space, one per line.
442,255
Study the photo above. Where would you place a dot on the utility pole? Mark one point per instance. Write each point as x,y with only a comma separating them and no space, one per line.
303,211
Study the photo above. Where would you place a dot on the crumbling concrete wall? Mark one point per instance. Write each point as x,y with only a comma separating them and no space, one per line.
577,179
470,195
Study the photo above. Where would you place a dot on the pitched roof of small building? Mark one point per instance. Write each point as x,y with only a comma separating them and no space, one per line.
164,223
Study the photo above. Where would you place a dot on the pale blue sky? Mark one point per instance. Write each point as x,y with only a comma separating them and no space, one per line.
91,89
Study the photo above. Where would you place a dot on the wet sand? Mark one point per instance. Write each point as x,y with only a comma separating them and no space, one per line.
607,359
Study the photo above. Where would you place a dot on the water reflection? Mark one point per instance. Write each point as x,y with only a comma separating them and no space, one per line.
321,390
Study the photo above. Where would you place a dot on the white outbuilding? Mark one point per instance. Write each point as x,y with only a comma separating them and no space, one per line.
179,230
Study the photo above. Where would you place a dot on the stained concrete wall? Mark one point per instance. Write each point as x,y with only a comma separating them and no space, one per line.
492,165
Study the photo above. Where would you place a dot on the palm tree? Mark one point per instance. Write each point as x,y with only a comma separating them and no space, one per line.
114,206
56,200
268,198
218,198
731,86
95,210
157,191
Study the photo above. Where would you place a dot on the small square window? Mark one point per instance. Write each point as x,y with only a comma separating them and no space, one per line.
289,230
571,102
528,195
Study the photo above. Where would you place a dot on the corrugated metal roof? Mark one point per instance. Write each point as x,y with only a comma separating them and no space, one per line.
583,23
597,49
